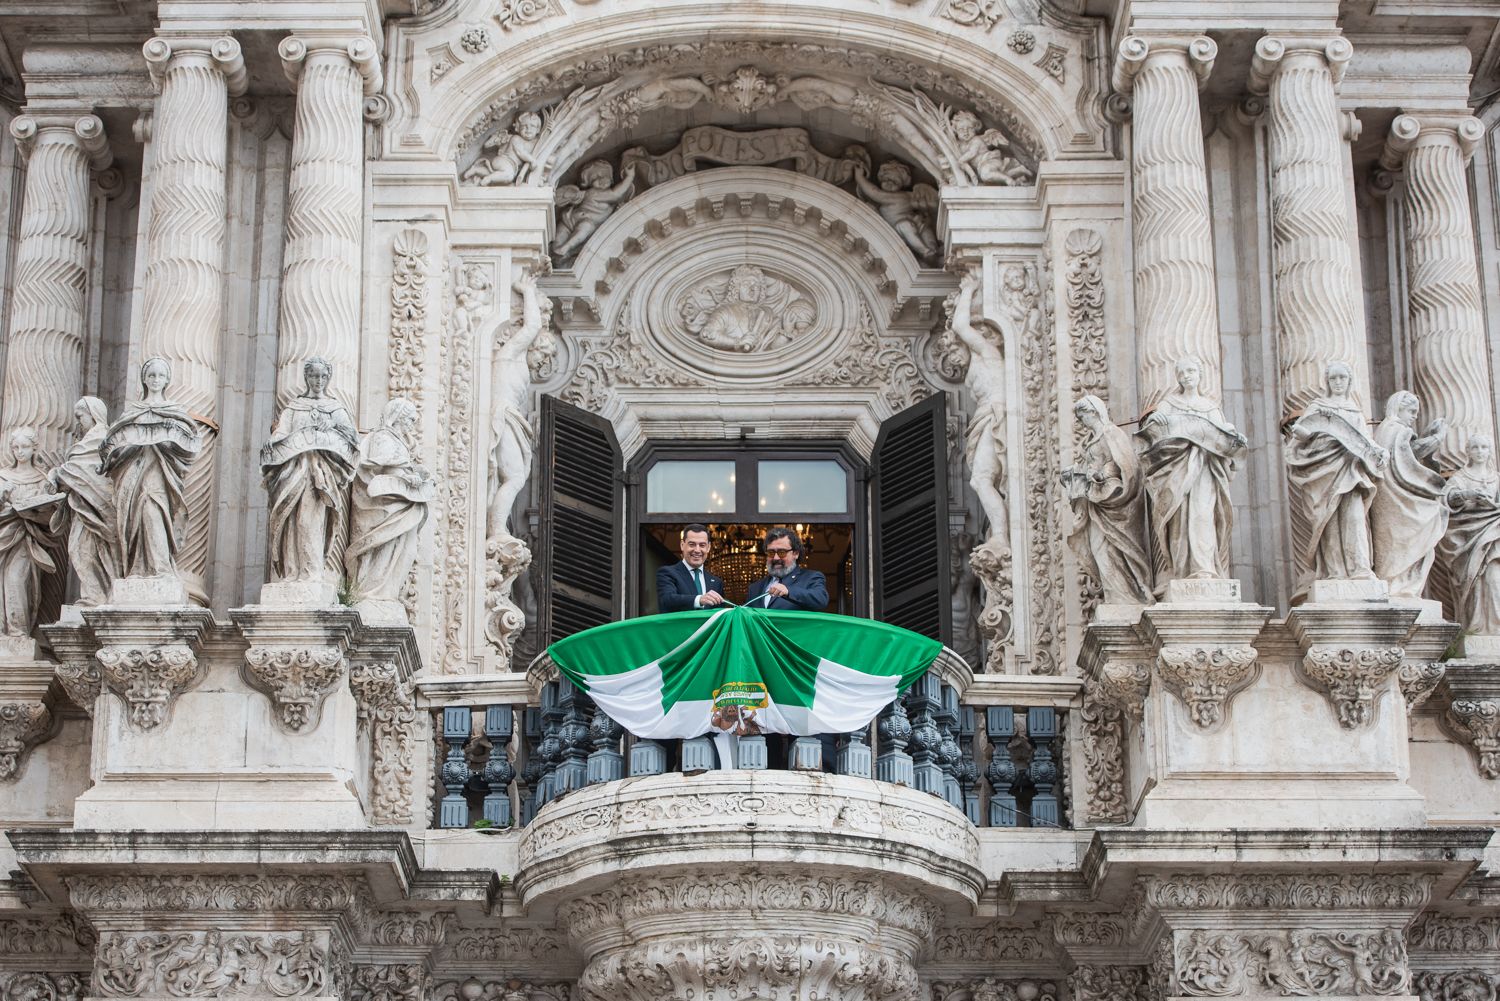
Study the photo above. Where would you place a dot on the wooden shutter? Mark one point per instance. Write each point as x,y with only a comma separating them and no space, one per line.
909,488
579,535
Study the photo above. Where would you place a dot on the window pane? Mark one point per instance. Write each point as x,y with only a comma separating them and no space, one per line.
705,487
811,486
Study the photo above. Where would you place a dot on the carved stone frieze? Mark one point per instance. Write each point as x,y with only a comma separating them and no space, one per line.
388,713
215,892
994,989
389,982
711,144
149,678
1088,928
989,943
1454,933
501,990
1021,297
1089,982
403,929
1477,723
511,945
1418,680
211,964
1288,891
22,725
1085,298
1206,679
296,679
45,936
1351,678
406,351
1303,962
767,967
1457,985
1103,736
38,986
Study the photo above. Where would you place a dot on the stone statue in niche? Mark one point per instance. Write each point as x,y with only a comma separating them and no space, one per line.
1471,546
146,454
1108,504
747,311
389,501
1332,465
510,427
472,296
909,213
585,208
93,546
985,152
28,542
1188,457
307,465
1408,516
984,442
507,157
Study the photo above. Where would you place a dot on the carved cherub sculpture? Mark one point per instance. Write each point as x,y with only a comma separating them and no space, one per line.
985,152
511,154
585,207
909,213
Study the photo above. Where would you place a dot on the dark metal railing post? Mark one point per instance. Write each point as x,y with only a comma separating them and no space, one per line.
573,769
1041,725
551,749
457,729
948,752
923,703
606,763
499,723
531,774
893,764
967,768
1000,725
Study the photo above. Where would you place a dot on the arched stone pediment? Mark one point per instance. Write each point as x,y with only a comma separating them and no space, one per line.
1043,90
781,294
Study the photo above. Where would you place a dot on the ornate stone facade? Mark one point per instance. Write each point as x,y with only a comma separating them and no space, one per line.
1090,304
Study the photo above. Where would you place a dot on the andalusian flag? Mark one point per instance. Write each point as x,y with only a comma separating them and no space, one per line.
743,671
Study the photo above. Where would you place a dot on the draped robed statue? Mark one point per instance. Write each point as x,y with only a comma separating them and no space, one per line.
1188,457
1108,503
1409,516
1471,547
28,545
390,497
306,466
1333,466
93,545
146,454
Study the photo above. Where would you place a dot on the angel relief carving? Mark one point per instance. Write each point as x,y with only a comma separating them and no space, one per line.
909,212
584,207
747,310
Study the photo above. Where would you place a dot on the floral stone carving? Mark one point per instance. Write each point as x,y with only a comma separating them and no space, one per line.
22,724
297,679
1477,722
388,709
1207,678
1351,678
1300,962
1418,680
210,964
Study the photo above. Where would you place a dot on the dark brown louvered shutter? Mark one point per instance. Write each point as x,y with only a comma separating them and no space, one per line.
909,491
580,520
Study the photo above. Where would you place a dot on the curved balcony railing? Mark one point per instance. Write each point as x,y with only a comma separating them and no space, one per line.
999,764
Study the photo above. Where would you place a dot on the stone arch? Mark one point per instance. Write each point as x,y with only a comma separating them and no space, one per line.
857,352
1044,118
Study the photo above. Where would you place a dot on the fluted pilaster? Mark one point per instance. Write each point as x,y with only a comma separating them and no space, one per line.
1176,308
44,364
1315,274
1446,321
185,249
320,276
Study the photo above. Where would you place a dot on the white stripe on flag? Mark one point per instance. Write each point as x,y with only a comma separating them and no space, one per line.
844,698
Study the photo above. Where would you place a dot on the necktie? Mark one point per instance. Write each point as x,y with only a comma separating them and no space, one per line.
698,580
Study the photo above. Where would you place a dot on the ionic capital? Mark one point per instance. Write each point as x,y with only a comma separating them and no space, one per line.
85,131
1273,52
222,54
1458,128
359,50
1136,51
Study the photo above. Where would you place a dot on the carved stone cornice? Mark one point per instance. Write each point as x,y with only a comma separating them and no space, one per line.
1460,934
1352,678
1294,891
1206,679
96,895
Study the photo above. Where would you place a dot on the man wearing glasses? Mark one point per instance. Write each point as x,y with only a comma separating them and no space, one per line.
688,584
787,585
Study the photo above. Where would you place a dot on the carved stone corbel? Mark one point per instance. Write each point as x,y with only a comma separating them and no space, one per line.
1471,711
1352,678
382,662
1124,684
148,656
1206,679
296,679
22,726
1418,680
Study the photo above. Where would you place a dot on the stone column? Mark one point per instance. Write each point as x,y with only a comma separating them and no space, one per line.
1446,318
44,366
1176,311
320,286
185,250
1316,315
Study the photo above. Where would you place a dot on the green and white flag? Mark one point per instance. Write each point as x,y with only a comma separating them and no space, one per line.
743,671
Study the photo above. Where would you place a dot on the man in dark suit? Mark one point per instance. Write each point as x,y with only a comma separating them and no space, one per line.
688,584
788,585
